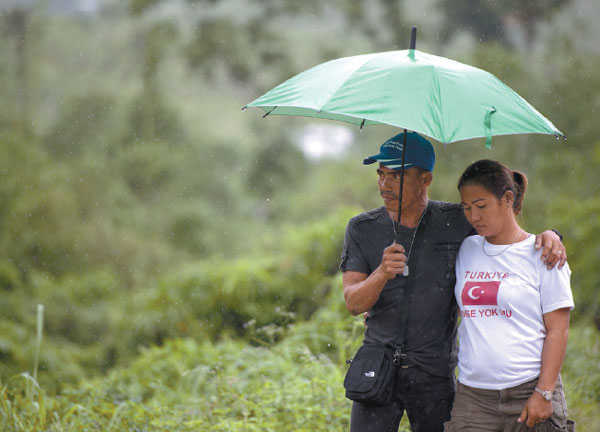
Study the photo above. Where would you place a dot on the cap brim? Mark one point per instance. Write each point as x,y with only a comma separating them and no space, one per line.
375,158
397,164
390,163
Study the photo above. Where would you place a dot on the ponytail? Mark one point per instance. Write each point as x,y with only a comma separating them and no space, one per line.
520,186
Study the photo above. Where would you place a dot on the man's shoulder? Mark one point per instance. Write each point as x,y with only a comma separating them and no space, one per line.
444,207
370,215
447,211
446,215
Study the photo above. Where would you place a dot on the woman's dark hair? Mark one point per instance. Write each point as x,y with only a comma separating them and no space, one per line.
497,178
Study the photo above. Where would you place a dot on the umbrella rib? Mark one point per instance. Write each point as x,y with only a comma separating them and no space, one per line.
342,83
439,96
269,112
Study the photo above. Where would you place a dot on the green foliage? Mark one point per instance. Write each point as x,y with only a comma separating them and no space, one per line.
224,295
489,20
9,276
148,213
150,118
81,126
583,242
100,322
186,385
581,380
189,386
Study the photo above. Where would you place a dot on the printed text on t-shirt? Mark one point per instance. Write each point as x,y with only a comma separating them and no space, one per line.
485,275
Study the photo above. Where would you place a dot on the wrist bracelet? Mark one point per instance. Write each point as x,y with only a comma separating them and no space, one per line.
557,232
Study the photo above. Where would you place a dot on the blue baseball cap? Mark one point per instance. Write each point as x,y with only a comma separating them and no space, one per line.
420,153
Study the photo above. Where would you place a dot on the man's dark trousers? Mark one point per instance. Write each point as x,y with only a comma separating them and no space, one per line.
427,400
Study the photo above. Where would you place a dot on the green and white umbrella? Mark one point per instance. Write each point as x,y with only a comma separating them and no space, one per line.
432,95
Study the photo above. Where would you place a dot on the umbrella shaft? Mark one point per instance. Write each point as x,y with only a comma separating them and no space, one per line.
404,145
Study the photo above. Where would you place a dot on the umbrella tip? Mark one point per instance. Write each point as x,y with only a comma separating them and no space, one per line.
245,108
413,38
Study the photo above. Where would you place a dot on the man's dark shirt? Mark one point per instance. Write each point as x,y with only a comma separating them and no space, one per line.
430,340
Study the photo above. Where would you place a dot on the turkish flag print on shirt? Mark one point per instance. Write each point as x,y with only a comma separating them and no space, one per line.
480,293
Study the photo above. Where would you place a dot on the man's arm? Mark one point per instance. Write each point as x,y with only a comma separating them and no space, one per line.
361,291
554,251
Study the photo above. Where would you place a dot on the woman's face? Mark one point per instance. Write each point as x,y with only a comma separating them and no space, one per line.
486,213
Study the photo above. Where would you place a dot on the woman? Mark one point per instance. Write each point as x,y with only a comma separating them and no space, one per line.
515,314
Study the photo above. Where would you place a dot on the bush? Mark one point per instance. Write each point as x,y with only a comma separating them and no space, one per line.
186,386
100,321
581,376
229,297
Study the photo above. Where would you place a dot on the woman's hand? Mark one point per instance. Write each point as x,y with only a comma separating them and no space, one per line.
536,410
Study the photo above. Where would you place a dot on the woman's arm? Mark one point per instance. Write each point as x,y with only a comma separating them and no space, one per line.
538,409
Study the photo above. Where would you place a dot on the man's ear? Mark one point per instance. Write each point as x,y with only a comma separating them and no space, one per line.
427,178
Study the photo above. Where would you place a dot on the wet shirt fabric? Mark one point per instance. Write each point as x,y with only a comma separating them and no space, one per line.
430,310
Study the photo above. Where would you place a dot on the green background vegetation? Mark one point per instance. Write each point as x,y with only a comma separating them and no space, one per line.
186,252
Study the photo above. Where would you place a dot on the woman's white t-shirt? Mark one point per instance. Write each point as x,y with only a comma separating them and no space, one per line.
502,292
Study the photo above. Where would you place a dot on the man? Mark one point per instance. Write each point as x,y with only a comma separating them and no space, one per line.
417,321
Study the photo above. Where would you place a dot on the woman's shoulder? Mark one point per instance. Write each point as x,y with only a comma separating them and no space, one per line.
470,248
526,248
471,242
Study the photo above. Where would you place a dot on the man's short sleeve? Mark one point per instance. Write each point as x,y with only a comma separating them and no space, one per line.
352,257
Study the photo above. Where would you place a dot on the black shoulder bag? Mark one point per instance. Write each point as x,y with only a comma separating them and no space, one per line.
373,371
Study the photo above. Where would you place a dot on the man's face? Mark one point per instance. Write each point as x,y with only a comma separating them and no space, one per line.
415,184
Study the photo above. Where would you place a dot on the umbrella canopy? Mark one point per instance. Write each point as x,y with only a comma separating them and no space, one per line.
435,96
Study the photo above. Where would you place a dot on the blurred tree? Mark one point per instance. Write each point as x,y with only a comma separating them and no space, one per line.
571,174
138,7
222,44
147,167
277,165
489,20
394,18
36,226
273,36
20,24
150,117
85,123
142,162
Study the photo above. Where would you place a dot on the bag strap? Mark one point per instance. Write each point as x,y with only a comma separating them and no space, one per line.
408,286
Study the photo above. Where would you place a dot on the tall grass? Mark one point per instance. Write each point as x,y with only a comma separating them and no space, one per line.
294,384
